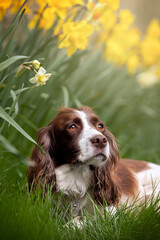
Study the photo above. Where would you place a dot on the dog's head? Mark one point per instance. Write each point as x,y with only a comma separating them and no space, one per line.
74,136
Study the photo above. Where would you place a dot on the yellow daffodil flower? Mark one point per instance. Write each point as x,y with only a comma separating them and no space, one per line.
47,19
4,5
154,28
150,50
75,36
16,4
108,14
114,4
133,62
41,77
126,18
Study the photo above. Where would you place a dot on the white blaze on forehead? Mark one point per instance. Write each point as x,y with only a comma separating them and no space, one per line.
88,132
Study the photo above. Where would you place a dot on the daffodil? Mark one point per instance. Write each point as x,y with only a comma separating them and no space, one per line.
41,77
114,4
4,5
150,50
126,18
47,18
154,28
75,36
133,62
108,14
16,4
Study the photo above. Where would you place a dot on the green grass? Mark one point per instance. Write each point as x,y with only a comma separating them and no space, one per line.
131,113
22,216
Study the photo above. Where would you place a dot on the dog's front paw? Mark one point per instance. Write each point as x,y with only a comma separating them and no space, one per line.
76,222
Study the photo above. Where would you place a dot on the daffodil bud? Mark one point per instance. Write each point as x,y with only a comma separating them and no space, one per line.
36,64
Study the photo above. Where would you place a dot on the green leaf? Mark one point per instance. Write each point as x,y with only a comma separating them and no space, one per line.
13,24
10,61
65,96
8,146
29,123
22,90
4,115
8,45
15,104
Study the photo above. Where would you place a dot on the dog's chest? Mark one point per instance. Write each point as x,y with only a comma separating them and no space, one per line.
73,180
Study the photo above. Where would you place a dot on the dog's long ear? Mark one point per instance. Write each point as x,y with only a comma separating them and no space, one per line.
43,166
106,186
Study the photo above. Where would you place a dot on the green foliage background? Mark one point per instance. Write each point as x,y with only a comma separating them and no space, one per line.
131,113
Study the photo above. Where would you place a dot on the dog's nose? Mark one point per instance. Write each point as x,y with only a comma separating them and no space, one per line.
99,141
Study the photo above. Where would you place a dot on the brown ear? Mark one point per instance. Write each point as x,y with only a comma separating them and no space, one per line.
43,168
106,186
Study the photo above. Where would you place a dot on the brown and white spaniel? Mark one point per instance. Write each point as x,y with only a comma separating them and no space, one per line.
82,159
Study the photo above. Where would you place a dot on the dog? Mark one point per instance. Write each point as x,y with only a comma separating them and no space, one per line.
82,158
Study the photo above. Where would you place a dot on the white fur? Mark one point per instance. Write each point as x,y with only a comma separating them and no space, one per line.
73,180
149,180
86,147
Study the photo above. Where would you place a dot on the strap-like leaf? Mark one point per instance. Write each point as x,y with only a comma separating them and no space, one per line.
10,61
8,146
6,117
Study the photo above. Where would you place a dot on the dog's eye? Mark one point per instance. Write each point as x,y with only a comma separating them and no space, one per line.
72,127
100,126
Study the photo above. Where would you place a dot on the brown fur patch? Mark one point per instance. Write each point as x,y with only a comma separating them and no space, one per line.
135,165
126,179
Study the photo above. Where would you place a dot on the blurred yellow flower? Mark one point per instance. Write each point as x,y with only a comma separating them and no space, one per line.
115,51
41,77
126,18
148,77
108,19
58,27
91,5
150,50
36,64
150,45
33,21
154,28
2,13
60,7
4,5
95,11
114,4
118,46
16,4
158,69
75,36
47,19
133,62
